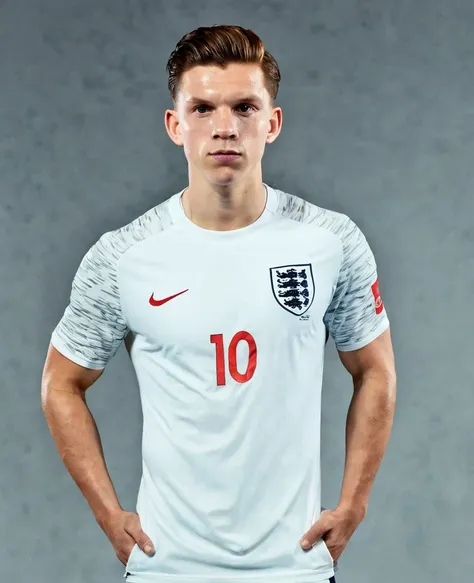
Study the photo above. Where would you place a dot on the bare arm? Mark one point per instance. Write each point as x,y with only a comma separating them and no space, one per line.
369,423
75,432
370,418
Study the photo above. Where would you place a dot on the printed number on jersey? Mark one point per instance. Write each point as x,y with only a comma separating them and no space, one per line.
229,364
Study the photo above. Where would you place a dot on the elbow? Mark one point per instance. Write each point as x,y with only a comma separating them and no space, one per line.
381,379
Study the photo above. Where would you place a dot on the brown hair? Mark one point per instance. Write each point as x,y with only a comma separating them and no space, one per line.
220,45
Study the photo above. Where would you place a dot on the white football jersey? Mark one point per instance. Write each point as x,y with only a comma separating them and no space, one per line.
226,332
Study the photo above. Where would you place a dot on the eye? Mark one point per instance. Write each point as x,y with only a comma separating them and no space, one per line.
246,105
199,108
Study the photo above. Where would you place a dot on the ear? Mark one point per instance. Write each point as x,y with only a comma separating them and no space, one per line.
275,124
173,127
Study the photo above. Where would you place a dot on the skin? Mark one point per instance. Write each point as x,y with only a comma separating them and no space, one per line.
224,196
232,110
368,427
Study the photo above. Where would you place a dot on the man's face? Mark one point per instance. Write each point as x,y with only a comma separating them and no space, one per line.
223,109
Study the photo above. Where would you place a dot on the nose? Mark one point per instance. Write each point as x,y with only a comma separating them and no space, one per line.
224,125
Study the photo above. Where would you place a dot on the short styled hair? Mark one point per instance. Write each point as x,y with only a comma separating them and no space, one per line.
220,45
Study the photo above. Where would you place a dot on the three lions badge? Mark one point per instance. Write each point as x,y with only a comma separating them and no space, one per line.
293,287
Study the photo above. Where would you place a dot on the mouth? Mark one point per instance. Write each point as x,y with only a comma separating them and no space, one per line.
225,153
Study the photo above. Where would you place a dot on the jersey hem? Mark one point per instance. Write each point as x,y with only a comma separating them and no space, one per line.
367,339
61,347
291,577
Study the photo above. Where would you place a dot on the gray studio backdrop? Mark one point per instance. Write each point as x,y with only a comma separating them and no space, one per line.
378,101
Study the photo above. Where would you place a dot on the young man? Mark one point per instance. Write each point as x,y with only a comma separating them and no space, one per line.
223,294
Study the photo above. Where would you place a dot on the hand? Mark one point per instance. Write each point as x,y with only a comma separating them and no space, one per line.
123,529
336,528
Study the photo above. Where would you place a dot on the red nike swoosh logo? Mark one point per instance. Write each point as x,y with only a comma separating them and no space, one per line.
154,302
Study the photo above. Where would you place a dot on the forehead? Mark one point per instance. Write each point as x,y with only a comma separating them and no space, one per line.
214,83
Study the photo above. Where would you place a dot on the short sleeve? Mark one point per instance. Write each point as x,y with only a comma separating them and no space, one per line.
356,314
92,326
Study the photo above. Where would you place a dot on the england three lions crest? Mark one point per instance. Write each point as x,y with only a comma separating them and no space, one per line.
293,287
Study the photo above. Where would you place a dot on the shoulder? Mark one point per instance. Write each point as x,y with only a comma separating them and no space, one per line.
340,225
112,245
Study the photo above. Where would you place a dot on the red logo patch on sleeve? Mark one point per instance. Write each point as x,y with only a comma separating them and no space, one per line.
377,297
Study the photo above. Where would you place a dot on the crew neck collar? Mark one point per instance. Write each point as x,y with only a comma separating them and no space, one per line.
178,215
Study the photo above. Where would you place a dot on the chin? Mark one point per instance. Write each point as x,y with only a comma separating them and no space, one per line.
224,177
223,182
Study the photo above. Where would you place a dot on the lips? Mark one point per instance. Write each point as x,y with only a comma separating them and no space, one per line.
225,153
225,158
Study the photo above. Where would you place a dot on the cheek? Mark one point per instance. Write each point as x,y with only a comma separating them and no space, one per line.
253,136
194,139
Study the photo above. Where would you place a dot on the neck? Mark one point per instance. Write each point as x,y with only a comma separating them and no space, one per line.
225,208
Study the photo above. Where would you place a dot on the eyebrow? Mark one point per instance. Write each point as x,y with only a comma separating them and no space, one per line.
245,98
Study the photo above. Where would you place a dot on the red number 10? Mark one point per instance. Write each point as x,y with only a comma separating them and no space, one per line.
218,340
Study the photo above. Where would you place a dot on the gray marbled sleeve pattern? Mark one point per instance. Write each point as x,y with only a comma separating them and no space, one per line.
92,327
351,317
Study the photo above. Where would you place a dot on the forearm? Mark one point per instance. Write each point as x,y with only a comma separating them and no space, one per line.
78,442
368,428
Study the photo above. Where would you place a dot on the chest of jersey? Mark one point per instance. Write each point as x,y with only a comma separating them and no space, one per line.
188,298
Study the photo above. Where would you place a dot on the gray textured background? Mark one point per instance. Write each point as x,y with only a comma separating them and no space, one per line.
378,123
